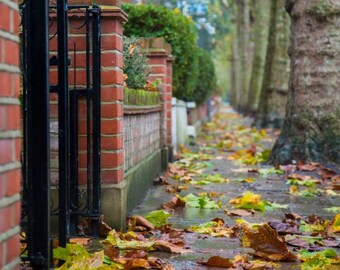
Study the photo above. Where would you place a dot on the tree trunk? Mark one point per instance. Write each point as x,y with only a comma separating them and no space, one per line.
311,129
235,63
243,46
262,8
273,99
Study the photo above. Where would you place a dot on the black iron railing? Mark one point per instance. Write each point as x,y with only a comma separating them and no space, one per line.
74,200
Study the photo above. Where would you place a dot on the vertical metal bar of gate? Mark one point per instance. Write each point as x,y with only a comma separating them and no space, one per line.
96,108
64,124
38,143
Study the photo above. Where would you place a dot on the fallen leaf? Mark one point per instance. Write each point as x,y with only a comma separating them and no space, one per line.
199,202
104,228
141,221
84,241
167,247
176,202
137,263
158,218
308,167
217,261
161,181
319,260
335,224
266,243
284,228
327,173
239,212
249,200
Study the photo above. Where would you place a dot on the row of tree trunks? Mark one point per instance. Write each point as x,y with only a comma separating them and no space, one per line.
311,129
272,106
243,30
260,36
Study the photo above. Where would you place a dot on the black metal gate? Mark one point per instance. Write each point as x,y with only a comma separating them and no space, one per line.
74,200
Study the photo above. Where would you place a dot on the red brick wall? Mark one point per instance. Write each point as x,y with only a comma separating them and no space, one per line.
9,136
141,137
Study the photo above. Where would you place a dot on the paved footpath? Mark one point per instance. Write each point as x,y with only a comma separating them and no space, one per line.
219,146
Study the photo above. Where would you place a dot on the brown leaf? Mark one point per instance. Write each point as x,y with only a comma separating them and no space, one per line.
266,243
293,216
84,241
137,264
141,221
299,177
160,264
167,247
217,261
111,252
327,173
175,202
336,182
161,181
284,227
104,228
239,212
141,254
308,167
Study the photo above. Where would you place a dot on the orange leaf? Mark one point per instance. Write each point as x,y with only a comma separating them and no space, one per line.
217,261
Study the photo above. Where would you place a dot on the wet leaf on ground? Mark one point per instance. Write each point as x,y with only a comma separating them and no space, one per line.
217,261
249,200
158,218
199,202
266,243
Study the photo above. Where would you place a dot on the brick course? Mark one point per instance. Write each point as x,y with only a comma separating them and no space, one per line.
9,136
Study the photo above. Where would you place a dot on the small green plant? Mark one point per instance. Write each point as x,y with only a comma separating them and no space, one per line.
136,67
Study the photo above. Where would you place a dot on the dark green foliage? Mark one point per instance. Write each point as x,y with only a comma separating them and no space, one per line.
176,29
206,78
135,63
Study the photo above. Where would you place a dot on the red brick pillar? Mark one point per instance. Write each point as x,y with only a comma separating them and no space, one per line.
168,102
9,136
160,62
112,95
114,196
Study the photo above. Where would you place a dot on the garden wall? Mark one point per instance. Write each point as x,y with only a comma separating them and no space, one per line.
10,145
147,129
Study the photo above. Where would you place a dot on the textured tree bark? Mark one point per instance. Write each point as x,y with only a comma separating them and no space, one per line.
243,46
262,10
311,129
235,63
272,105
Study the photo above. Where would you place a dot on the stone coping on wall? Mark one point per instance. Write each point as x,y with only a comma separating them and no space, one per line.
131,109
106,11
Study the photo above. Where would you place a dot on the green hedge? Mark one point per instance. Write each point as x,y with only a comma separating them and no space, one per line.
206,78
176,29
139,97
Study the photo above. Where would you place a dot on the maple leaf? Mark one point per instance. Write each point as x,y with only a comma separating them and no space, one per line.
266,243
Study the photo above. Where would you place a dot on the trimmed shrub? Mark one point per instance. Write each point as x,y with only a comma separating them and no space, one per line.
177,30
206,78
135,64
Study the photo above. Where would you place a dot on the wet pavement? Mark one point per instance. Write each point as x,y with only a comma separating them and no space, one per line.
272,187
